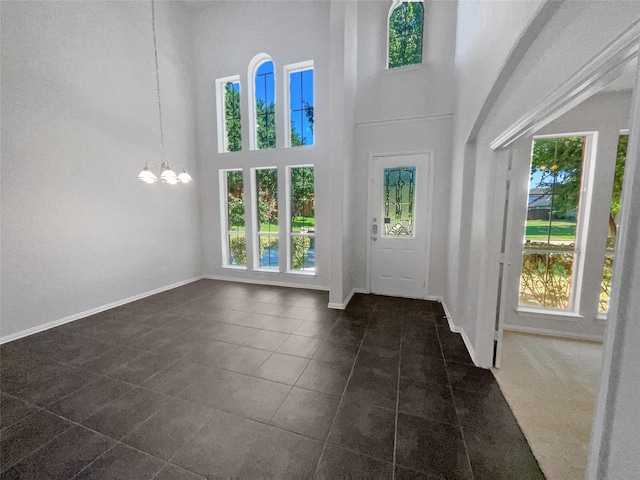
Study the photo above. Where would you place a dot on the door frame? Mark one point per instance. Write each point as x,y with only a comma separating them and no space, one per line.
429,163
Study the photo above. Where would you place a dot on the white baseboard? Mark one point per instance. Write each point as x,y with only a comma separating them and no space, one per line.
93,311
435,298
554,333
266,282
470,349
343,305
454,328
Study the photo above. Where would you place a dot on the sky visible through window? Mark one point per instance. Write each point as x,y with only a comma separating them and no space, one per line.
266,106
301,104
264,83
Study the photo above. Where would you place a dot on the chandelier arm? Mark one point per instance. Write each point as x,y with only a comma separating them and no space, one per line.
152,164
155,51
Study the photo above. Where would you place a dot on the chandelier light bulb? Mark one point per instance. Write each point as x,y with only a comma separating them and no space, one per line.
184,177
147,176
167,175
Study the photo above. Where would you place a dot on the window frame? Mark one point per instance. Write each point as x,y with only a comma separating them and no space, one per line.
221,106
224,218
287,70
255,220
395,4
291,234
255,63
603,315
582,230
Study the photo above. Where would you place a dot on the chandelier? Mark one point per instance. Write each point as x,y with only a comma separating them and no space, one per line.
151,170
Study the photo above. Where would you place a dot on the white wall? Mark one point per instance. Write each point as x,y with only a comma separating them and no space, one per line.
228,35
343,88
410,91
79,120
404,110
486,34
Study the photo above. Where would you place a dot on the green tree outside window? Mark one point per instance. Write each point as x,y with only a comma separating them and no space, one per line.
406,25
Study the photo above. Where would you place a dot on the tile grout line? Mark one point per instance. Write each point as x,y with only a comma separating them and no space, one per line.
455,407
94,461
76,424
117,441
177,395
5,468
344,391
395,428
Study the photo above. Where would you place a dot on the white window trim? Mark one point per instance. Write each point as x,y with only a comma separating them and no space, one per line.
602,316
395,4
537,312
289,233
254,64
287,70
224,219
256,223
223,143
584,213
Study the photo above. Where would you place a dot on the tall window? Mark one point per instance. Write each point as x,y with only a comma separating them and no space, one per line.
229,119
406,24
299,78
616,196
301,219
265,105
232,215
266,218
550,255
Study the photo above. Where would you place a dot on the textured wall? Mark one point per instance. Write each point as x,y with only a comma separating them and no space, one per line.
79,120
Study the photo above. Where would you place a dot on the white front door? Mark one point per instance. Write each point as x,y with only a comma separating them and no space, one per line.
399,224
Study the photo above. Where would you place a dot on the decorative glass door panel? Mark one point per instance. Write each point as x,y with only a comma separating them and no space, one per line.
399,196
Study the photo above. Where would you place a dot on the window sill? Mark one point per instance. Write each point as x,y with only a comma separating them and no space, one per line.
267,270
407,68
235,267
601,318
302,272
300,147
536,312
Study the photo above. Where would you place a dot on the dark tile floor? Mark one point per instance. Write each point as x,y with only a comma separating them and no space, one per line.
218,379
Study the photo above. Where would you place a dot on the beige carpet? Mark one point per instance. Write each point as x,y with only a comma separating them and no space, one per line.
551,385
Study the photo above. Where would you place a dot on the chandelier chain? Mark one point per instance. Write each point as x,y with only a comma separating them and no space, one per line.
155,51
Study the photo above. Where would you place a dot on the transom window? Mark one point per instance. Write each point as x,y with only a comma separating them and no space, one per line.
229,117
406,25
299,80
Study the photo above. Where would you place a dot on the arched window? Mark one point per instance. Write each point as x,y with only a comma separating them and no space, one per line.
406,25
263,104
